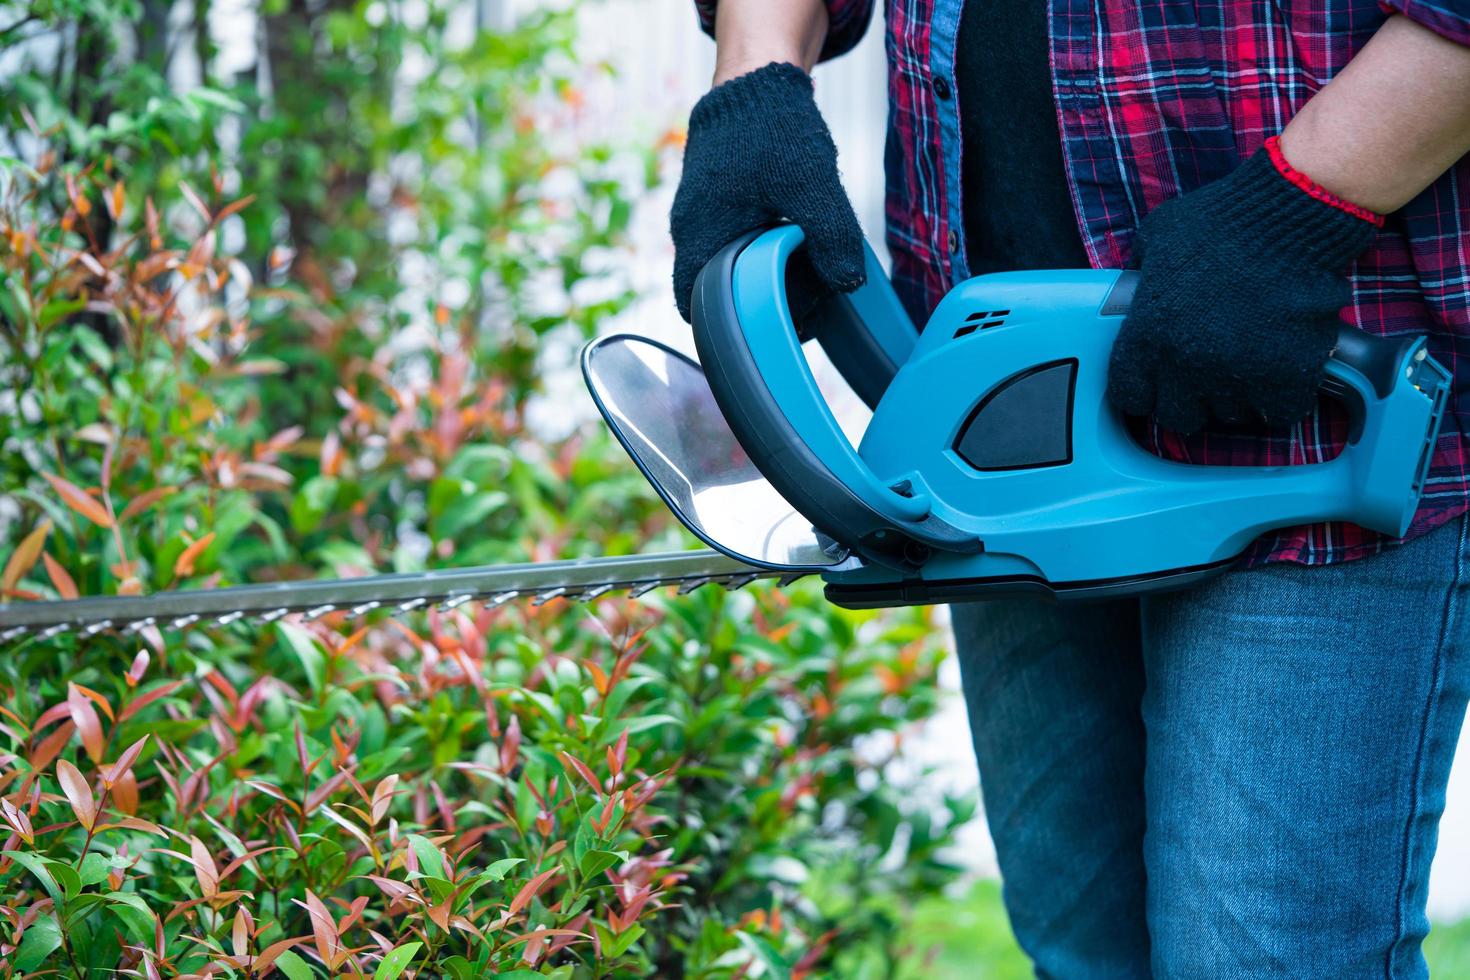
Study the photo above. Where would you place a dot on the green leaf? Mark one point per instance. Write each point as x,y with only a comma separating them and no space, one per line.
66,876
294,967
460,968
60,308
776,966
311,503
92,345
595,863
497,870
41,939
94,868
139,918
37,866
616,944
431,860
396,961
307,650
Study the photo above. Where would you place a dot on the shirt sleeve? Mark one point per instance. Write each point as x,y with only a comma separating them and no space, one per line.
846,22
1448,18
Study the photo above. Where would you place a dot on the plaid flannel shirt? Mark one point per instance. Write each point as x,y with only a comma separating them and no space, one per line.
1155,98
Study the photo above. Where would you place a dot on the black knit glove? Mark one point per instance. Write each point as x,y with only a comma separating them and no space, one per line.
1237,310
759,152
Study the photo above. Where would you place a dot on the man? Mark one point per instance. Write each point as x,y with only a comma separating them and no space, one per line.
1244,779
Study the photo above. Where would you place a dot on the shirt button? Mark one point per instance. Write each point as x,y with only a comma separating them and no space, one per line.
941,87
954,241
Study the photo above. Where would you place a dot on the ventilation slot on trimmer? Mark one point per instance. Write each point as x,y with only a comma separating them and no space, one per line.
981,320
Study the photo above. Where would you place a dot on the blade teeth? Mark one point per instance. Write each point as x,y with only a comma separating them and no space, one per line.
687,587
640,579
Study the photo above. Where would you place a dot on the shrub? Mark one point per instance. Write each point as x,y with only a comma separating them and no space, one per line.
683,786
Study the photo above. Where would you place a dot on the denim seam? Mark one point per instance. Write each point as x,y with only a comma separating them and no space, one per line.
1447,618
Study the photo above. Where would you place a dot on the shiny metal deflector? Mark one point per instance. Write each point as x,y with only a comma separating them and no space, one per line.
659,405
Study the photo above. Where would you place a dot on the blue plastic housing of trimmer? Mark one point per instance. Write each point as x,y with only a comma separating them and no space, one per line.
994,464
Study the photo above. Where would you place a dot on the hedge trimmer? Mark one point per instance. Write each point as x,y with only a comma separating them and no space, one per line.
992,466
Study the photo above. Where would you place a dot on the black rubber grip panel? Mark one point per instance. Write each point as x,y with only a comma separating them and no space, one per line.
1120,296
1376,358
796,472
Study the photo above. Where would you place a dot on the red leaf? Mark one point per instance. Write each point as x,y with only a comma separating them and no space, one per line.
143,700
87,722
50,746
78,793
328,943
510,746
583,771
530,890
114,772
194,199
135,672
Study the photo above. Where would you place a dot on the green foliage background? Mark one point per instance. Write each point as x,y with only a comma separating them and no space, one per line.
289,324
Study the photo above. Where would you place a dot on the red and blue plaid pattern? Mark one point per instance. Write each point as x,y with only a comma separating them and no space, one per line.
1156,98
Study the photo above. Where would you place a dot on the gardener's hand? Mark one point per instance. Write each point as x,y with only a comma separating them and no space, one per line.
1237,310
759,152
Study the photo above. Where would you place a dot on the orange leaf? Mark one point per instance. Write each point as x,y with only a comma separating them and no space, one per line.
184,564
272,952
76,498
23,559
204,867
125,793
66,587
119,198
234,207
78,793
98,700
240,932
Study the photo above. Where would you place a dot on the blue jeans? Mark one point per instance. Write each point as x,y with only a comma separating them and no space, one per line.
1241,780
